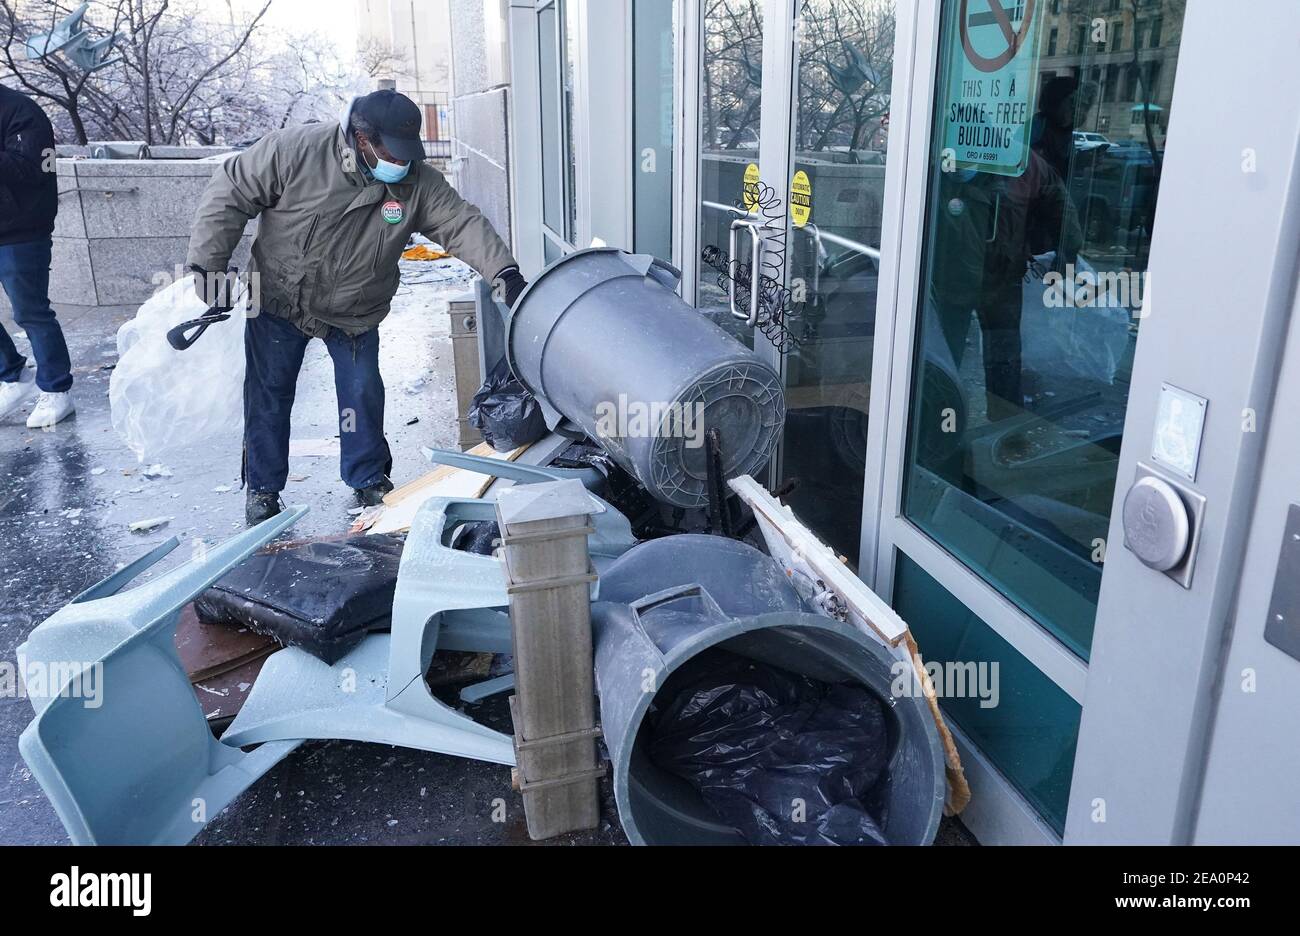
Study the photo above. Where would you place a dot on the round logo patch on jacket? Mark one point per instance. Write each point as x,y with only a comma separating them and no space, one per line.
393,212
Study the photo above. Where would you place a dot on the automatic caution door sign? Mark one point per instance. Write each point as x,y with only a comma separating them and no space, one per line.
992,53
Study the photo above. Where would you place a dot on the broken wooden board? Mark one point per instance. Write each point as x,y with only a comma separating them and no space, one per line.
793,544
222,696
840,594
208,650
403,503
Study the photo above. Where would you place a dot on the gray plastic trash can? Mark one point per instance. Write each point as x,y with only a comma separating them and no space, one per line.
602,339
665,602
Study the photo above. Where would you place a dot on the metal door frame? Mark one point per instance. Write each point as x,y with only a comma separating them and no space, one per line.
1156,800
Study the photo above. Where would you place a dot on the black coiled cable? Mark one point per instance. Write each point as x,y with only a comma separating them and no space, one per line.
773,296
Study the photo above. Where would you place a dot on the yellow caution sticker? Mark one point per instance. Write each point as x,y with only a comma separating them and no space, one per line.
800,198
750,192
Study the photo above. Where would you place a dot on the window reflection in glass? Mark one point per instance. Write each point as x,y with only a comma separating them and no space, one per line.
553,155
731,79
1031,306
652,127
840,131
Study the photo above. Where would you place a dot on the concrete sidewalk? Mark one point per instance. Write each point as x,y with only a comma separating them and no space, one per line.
66,498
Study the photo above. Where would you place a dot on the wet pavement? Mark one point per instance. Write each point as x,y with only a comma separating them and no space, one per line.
67,497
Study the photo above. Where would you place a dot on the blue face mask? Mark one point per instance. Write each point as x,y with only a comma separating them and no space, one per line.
385,171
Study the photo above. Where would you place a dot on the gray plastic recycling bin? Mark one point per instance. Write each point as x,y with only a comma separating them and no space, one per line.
668,600
602,339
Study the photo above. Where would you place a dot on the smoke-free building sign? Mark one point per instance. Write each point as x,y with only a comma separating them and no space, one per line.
992,52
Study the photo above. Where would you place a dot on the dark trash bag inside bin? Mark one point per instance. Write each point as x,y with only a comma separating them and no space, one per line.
505,412
757,741
322,597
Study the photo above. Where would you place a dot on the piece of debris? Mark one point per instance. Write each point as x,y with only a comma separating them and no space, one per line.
144,526
97,471
413,420
424,252
366,518
221,489
157,471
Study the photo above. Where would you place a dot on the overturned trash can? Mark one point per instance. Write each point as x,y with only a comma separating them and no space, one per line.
603,341
806,742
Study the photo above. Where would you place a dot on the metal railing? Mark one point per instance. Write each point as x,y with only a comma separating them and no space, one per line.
437,149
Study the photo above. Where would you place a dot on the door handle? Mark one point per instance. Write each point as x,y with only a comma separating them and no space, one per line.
756,260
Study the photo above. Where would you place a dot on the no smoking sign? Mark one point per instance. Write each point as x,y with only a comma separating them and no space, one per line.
992,65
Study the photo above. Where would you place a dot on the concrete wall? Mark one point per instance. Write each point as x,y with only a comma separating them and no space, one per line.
480,109
120,224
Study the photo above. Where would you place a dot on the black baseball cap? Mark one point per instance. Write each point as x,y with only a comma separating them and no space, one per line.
396,118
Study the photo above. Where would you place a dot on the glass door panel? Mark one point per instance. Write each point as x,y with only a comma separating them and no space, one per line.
731,91
1045,161
840,132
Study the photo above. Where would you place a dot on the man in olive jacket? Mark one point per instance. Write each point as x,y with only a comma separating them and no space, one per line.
336,205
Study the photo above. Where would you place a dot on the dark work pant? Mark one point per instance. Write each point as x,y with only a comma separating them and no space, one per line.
273,352
25,276
999,316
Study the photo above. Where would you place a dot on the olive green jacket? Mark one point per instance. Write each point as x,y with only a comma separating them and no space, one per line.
329,239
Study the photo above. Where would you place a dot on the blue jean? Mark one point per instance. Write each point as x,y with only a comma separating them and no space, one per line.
273,353
25,276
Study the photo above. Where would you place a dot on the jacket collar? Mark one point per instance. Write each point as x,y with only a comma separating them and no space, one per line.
371,191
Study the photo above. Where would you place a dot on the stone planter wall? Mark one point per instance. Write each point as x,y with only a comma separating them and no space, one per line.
120,224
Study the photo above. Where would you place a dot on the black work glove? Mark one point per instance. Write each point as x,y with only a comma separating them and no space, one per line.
512,285
215,290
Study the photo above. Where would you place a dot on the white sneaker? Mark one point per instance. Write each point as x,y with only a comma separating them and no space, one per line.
50,409
15,393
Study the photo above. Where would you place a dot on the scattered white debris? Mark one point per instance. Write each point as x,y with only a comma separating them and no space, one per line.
221,489
157,471
71,513
143,526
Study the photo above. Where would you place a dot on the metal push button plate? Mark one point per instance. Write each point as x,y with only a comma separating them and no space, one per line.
1162,523
1282,629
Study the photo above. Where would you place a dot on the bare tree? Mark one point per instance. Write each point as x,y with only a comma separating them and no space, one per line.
846,55
169,62
377,58
733,72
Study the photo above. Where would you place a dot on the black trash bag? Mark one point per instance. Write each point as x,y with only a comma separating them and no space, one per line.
505,412
322,597
757,741
478,537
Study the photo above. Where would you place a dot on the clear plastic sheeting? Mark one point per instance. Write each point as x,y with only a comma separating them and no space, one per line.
1090,341
164,400
785,759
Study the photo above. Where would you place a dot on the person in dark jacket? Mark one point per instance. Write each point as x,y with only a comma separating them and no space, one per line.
336,205
29,200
